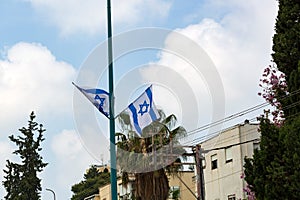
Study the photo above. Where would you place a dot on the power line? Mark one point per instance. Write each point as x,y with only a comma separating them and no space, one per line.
206,137
292,105
232,145
203,137
235,116
241,113
246,133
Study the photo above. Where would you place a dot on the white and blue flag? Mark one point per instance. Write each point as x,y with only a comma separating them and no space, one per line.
98,97
143,111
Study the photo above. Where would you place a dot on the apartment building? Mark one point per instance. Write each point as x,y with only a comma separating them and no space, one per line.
224,160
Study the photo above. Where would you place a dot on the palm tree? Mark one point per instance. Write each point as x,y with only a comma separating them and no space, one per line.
150,157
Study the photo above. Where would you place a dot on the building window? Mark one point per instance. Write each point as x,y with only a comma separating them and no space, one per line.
228,154
214,161
231,197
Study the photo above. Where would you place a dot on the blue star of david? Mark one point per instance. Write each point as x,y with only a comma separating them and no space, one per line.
143,108
101,100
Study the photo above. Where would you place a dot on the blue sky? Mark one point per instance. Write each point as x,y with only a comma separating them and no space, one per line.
44,46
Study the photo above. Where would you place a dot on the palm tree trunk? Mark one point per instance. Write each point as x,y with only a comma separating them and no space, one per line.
152,185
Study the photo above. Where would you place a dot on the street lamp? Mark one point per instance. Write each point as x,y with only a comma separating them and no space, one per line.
52,192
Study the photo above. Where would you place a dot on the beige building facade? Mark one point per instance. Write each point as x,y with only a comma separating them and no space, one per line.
224,160
184,183
179,185
93,197
124,193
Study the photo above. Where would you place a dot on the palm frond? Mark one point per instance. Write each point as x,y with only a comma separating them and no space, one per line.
161,114
178,133
170,121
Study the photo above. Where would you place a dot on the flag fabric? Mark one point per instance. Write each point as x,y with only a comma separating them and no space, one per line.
98,97
143,111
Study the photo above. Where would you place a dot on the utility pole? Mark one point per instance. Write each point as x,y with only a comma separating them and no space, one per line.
199,170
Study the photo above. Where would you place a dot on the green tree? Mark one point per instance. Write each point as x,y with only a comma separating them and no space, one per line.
286,47
20,180
150,157
273,173
260,171
92,180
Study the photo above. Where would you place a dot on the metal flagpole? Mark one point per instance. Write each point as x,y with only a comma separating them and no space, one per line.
113,171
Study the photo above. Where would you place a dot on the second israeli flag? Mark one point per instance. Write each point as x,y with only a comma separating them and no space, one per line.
143,111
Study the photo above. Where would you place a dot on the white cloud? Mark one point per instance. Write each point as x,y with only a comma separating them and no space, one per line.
73,160
90,16
67,144
32,79
240,46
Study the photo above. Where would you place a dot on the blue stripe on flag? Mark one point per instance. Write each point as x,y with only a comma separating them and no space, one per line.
135,118
151,111
96,91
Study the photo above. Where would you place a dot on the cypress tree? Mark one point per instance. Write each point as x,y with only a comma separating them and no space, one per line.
21,181
286,47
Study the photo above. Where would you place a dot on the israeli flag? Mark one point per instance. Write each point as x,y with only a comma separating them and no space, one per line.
98,97
143,111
